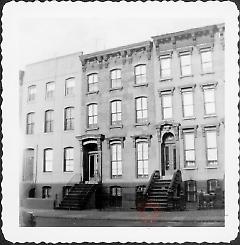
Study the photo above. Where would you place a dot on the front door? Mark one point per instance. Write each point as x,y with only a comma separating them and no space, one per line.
93,168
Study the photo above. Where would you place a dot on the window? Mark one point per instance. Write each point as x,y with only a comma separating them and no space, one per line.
206,58
93,83
48,160
69,118
50,88
66,190
189,149
92,115
191,190
46,192
32,92
30,123
116,78
209,100
141,110
142,158
165,66
48,127
68,159
167,105
211,140
116,159
185,60
140,74
69,86
212,185
28,165
187,97
115,196
116,112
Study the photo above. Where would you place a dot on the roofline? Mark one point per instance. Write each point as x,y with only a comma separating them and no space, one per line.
54,58
178,33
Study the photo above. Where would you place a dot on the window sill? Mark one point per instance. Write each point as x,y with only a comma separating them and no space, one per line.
114,89
92,129
165,79
207,73
141,85
190,168
48,133
68,172
117,177
211,167
92,92
47,172
142,176
68,96
183,76
116,126
209,116
189,118
68,130
142,124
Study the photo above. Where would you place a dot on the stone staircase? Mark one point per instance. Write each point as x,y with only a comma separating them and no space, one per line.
157,197
78,197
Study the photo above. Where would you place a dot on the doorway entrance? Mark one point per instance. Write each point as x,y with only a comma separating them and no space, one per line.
92,165
168,155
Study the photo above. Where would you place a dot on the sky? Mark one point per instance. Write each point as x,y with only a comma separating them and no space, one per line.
42,31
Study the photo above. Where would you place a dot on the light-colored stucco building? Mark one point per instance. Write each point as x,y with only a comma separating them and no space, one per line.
113,117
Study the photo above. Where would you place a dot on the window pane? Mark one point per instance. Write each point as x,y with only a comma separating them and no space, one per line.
190,155
206,56
209,95
165,63
166,73
189,141
167,113
185,60
188,111
210,108
212,154
186,70
211,139
145,151
167,101
144,103
187,98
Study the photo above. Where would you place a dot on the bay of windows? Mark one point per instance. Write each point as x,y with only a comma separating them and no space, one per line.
140,74
48,160
116,112
142,158
92,80
141,110
48,127
69,118
92,115
116,78
189,149
116,159
68,159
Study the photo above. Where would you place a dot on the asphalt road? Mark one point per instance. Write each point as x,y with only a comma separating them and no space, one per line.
65,222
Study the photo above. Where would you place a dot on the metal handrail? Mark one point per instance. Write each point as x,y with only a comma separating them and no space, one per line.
145,193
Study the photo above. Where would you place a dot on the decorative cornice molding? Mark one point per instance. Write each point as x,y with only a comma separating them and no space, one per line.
166,127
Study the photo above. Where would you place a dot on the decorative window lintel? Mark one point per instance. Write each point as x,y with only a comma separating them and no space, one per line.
169,90
185,50
205,47
165,54
210,127
136,138
208,85
114,139
189,87
184,129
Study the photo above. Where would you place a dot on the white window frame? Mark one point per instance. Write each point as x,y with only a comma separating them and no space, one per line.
164,95
50,93
162,59
116,160
141,110
48,124
116,78
185,54
140,158
211,163
69,119
32,91
92,83
140,74
185,91
30,123
186,161
47,163
68,161
203,64
115,105
92,113
69,90
205,89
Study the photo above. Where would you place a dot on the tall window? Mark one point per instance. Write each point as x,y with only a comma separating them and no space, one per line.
187,97
191,190
185,60
189,149
28,165
116,112
140,74
206,58
68,159
69,86
92,82
141,110
30,123
116,159
69,118
46,192
116,78
92,115
142,158
211,138
50,88
32,92
165,66
48,160
167,105
48,127
209,100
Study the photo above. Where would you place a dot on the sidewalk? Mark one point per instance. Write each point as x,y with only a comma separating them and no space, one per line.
214,215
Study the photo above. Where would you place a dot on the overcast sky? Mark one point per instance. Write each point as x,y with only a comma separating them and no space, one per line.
43,31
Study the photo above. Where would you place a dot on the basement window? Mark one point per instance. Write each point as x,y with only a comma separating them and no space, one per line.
46,192
115,196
